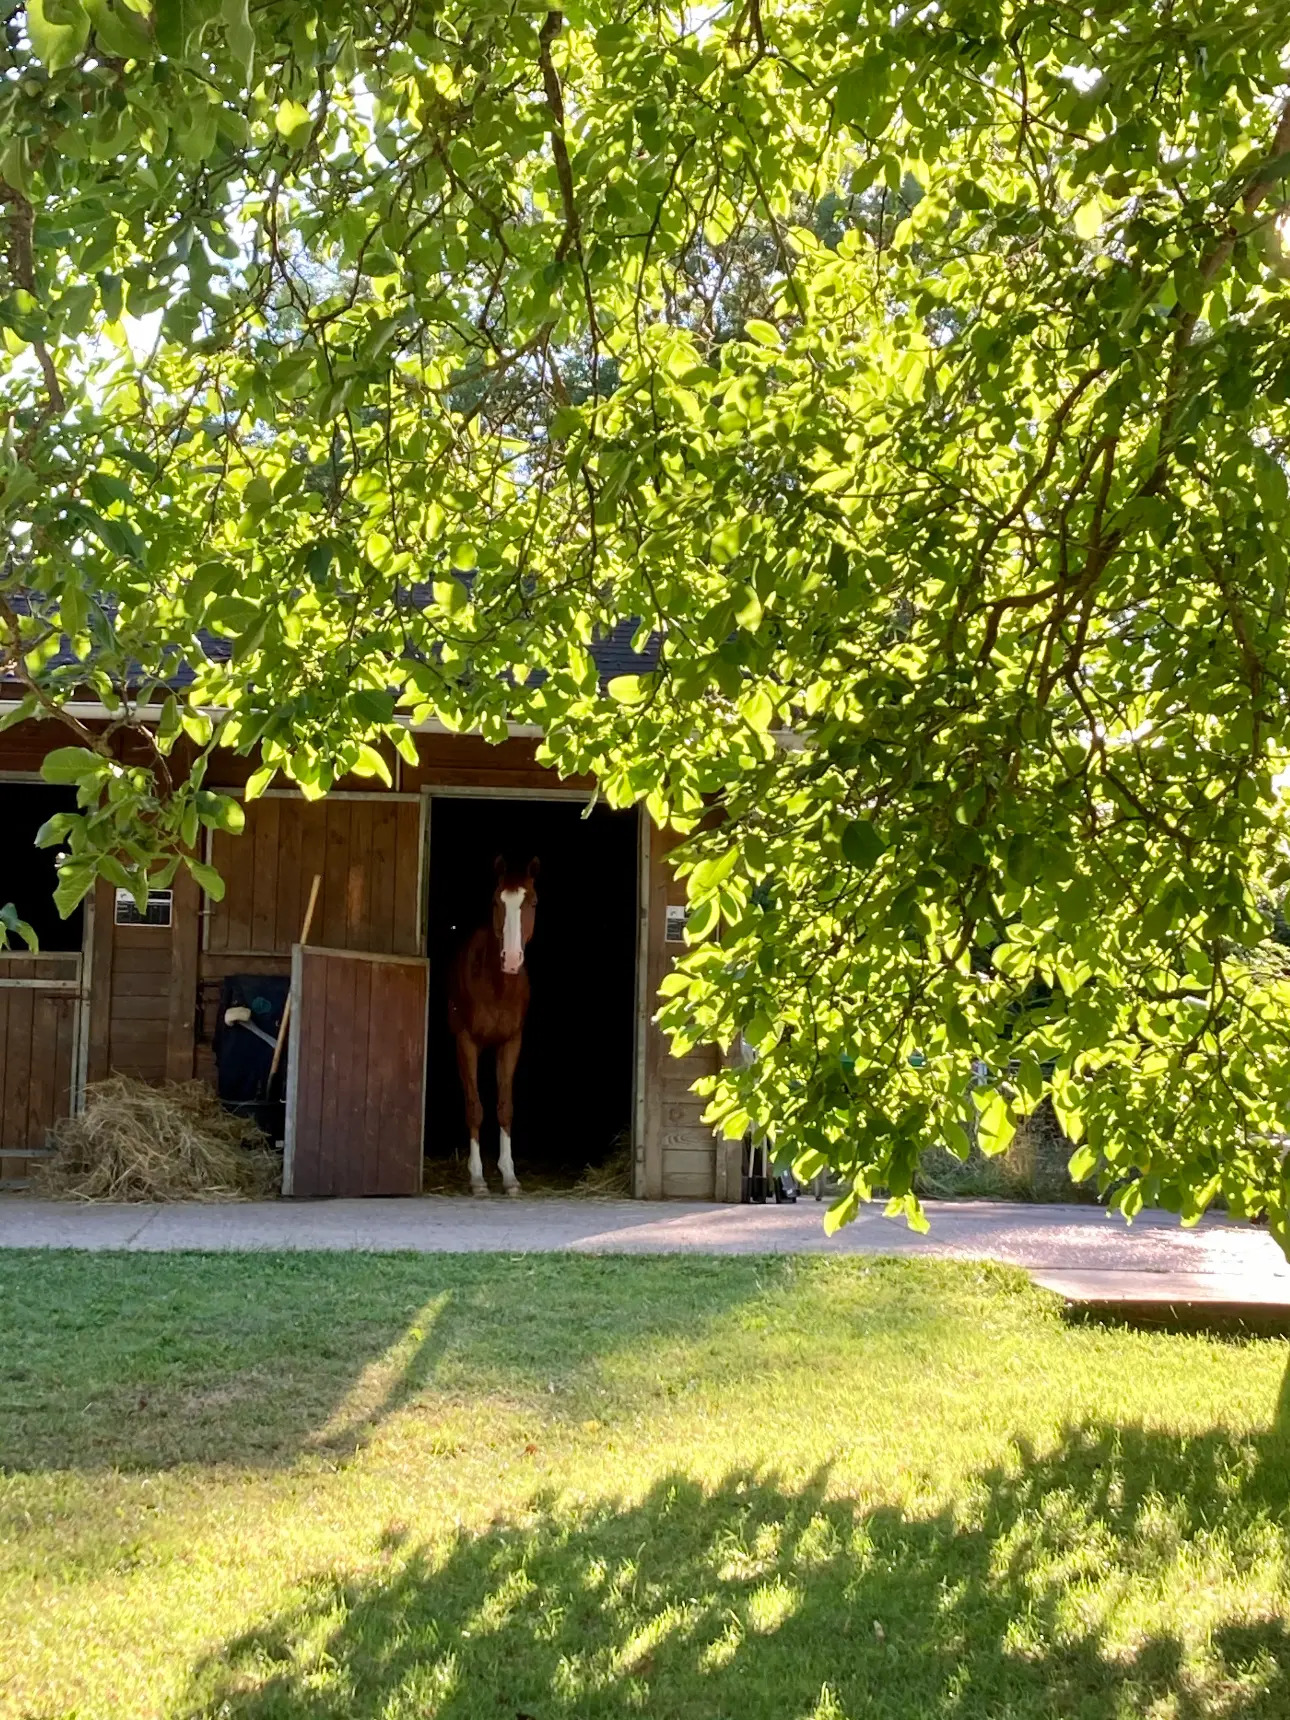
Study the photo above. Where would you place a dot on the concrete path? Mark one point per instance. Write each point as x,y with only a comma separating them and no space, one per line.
1084,1253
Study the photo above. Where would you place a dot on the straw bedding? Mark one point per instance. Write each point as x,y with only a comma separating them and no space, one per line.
611,1179
173,1142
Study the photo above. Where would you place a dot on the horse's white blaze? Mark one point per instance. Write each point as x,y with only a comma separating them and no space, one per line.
512,947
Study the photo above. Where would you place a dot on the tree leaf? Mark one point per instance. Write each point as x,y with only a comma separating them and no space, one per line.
862,846
240,34
56,829
995,1128
1087,221
115,535
70,764
14,166
748,615
208,878
371,763
373,706
841,1212
59,31
628,689
1022,859
451,595
292,121
957,1140
19,484
758,709
180,25
12,925
221,811
75,881
1083,1162
121,33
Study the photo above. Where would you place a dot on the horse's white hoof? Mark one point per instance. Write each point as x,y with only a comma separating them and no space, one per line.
479,1188
512,1189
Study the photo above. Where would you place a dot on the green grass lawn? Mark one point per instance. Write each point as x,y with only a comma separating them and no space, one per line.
355,1486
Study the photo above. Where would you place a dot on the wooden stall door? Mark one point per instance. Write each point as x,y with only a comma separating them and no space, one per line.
356,1078
38,1003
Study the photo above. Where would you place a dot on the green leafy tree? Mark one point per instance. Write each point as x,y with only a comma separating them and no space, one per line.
13,926
918,377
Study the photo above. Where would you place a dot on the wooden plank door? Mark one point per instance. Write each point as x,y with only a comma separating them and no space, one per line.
356,1077
39,1002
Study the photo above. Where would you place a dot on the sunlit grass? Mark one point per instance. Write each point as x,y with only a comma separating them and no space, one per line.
307,1485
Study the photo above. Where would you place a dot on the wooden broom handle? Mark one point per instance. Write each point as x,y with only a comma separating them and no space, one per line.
304,939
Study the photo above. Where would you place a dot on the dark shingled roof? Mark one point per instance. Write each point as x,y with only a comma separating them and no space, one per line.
612,655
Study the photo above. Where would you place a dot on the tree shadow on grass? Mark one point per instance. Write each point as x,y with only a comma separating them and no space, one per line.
131,1362
1052,1590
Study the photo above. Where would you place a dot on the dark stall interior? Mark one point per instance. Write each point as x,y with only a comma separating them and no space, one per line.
27,873
573,1086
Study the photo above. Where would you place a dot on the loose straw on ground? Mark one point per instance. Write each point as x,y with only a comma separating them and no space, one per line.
140,1143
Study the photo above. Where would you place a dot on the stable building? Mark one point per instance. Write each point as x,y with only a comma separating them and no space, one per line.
372,1094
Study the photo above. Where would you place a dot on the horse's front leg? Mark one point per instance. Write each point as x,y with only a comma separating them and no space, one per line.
508,1055
468,1068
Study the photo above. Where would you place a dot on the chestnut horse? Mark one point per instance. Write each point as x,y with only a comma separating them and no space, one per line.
488,998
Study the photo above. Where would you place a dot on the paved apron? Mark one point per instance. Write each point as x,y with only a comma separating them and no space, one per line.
1083,1252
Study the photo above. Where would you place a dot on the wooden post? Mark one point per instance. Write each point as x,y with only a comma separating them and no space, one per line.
185,922
100,1005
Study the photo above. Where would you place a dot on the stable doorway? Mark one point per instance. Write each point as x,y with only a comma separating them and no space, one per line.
574,1084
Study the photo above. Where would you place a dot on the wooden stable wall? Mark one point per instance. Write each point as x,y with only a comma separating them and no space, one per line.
144,1012
141,984
366,848
143,994
680,1159
367,852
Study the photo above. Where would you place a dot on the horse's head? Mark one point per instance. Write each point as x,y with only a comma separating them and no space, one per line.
514,911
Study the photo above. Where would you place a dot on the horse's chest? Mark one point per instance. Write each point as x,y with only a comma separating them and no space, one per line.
493,1003
500,1016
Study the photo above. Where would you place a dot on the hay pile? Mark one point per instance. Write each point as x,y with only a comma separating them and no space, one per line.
613,1177
174,1142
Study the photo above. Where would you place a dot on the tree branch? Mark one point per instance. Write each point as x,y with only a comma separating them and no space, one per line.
22,220
571,238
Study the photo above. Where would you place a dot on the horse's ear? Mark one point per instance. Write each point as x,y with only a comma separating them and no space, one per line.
499,867
535,866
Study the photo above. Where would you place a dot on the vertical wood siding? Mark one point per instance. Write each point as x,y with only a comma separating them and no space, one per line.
368,853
